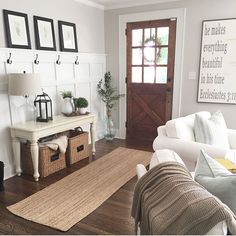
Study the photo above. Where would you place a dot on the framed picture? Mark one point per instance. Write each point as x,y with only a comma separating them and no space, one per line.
44,33
217,70
68,37
17,29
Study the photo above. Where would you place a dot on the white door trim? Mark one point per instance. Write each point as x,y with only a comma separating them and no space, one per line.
180,14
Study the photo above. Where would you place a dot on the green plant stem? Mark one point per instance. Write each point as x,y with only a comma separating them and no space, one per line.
108,120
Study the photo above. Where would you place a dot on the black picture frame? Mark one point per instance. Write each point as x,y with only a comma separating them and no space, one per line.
16,29
71,29
40,39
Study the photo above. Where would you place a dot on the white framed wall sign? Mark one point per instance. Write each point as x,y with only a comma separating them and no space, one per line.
217,71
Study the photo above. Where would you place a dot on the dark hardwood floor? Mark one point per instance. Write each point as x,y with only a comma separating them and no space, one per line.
112,217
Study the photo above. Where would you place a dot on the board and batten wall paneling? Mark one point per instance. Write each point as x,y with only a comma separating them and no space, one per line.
81,79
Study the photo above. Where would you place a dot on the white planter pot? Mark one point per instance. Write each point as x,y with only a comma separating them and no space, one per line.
66,106
82,110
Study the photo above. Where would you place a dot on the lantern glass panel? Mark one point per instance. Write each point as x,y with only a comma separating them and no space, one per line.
43,110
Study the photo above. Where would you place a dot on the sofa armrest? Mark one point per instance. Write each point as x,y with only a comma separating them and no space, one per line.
140,170
232,138
188,150
161,130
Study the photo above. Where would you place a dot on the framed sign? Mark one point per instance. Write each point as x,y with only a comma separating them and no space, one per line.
44,33
17,29
217,72
68,37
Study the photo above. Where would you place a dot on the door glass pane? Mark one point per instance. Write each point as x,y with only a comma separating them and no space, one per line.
137,37
149,56
149,37
162,56
136,74
161,75
148,74
136,56
163,35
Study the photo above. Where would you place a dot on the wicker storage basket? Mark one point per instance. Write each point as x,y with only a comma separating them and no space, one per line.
77,146
50,161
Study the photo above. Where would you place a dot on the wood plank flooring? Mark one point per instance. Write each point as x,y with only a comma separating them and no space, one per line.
112,217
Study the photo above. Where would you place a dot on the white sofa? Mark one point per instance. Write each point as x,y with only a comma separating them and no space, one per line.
161,156
178,135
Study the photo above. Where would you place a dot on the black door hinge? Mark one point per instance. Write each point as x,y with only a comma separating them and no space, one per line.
126,124
126,80
126,32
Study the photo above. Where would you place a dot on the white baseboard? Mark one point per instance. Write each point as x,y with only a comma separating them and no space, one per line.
9,171
118,134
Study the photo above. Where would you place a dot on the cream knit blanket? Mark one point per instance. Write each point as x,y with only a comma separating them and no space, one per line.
54,144
168,201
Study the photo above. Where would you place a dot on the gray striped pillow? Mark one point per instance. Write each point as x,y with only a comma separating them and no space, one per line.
211,131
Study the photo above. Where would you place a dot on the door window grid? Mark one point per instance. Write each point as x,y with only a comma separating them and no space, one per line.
148,52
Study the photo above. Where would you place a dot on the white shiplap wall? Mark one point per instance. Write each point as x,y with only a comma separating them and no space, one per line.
81,79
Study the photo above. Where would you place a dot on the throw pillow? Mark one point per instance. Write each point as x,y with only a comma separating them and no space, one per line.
216,179
211,131
208,166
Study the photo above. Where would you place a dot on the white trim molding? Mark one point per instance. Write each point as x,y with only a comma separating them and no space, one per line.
136,3
180,14
91,4
110,5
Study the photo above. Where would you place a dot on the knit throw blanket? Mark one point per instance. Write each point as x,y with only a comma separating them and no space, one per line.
168,201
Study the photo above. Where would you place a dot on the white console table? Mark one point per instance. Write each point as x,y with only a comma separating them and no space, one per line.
33,131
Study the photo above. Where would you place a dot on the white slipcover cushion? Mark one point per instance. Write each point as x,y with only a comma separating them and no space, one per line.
182,128
164,155
211,131
158,157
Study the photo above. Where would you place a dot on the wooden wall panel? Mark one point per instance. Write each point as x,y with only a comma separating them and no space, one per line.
47,73
81,79
82,72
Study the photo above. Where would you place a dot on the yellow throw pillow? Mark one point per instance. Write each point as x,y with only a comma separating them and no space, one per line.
227,164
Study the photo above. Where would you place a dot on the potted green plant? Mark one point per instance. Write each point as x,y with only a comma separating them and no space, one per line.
109,96
67,106
66,94
82,104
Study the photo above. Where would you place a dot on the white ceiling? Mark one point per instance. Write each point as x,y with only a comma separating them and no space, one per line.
113,4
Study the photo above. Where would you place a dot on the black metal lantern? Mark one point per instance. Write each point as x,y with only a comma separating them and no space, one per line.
43,104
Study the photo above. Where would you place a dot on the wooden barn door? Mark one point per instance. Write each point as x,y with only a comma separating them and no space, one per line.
150,76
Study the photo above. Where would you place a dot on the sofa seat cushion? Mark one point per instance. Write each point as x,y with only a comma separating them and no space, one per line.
211,131
182,128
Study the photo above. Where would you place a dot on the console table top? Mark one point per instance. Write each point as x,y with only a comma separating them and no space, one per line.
57,121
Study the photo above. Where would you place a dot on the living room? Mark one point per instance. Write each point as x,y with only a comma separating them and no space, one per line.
101,44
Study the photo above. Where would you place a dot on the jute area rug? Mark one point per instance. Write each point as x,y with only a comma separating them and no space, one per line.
66,202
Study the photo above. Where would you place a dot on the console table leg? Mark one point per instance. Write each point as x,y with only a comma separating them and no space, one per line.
35,159
16,153
93,136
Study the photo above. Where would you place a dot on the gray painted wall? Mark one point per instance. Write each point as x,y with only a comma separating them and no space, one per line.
196,12
89,20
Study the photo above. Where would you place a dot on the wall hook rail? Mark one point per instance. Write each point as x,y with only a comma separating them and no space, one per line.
77,60
36,61
9,61
58,62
